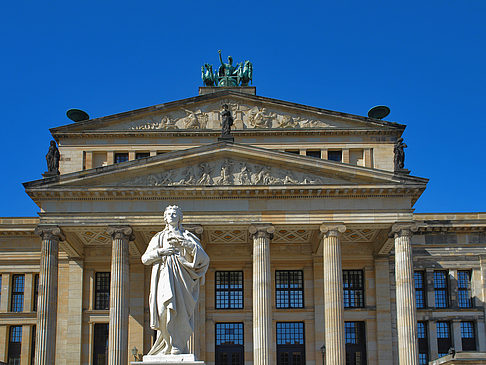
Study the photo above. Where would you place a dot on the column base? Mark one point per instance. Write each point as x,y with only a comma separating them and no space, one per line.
183,359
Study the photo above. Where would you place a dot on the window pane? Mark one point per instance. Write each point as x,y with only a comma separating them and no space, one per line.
142,155
441,289
36,292
17,303
353,284
102,291
121,157
100,344
464,289
290,333
313,153
419,289
468,336
14,344
229,334
334,155
355,339
289,289
229,289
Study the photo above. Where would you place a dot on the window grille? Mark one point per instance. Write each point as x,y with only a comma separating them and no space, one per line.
355,340
353,288
121,157
335,155
444,341
100,344
17,302
289,289
102,291
290,343
464,289
229,344
36,292
32,345
229,289
468,336
441,289
419,289
423,343
14,345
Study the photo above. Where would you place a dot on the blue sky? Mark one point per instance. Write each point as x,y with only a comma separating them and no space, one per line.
424,59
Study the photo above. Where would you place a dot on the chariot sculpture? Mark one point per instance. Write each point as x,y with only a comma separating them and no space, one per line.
227,74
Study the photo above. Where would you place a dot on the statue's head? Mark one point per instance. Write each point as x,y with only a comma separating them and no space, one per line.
53,143
230,60
225,106
173,216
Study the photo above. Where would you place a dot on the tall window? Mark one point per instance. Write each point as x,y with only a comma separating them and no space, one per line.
353,288
289,289
229,289
441,289
36,292
423,343
100,344
229,344
464,289
14,344
121,157
468,336
355,339
102,290
17,303
444,342
419,289
290,343
32,346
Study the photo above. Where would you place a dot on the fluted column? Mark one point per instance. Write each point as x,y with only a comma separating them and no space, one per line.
45,348
405,290
262,293
333,294
119,295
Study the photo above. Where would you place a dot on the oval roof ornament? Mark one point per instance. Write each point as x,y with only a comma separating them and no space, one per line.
378,112
77,115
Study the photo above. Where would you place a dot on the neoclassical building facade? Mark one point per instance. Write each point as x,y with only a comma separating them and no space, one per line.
316,253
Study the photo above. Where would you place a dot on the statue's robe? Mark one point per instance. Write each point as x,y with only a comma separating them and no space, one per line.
174,290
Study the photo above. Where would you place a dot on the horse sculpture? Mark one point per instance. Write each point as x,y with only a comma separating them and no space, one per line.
245,73
207,75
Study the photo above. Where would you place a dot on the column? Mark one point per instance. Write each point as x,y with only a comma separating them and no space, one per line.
262,293
383,311
75,311
333,294
119,295
45,347
405,291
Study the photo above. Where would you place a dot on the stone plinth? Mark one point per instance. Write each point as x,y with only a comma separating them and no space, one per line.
183,359
204,90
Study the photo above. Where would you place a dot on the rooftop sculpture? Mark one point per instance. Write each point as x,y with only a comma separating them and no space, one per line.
227,75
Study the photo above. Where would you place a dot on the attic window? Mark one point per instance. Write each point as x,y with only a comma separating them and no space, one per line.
142,155
335,155
121,157
313,153
293,151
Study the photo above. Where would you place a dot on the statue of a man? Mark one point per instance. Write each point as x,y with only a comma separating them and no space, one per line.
226,122
399,160
179,264
52,159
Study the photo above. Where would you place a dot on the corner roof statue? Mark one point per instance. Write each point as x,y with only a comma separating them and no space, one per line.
228,75
179,264
52,159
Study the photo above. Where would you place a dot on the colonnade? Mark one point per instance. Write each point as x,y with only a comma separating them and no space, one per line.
262,235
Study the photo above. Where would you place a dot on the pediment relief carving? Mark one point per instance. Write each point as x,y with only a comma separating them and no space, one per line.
245,116
227,172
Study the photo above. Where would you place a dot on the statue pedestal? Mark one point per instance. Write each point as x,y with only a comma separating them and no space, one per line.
229,139
183,359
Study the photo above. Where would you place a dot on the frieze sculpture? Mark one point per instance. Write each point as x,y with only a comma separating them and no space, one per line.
399,158
179,265
228,74
52,159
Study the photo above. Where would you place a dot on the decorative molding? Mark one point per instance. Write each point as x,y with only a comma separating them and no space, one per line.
121,232
50,232
261,230
292,235
332,229
359,235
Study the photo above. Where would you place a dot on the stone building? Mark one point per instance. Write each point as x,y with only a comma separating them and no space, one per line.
316,252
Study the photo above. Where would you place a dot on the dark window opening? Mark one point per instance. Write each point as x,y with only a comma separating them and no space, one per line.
335,155
355,339
121,157
313,153
290,343
468,336
441,289
102,291
296,152
229,289
423,343
464,299
142,155
100,344
17,302
229,344
36,292
420,292
444,341
353,284
289,289
14,345
32,346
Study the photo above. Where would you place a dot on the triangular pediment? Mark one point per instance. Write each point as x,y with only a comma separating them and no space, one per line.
222,165
203,113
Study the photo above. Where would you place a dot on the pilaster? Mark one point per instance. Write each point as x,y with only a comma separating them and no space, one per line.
383,311
262,293
333,293
75,317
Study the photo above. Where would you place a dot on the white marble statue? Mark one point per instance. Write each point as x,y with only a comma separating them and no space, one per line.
179,265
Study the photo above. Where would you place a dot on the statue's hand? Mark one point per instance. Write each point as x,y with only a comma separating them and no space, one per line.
219,51
167,251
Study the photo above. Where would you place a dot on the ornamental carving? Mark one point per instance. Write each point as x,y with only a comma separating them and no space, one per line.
228,172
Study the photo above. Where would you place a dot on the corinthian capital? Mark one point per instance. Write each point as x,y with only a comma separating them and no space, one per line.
121,233
261,230
404,229
332,229
50,232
